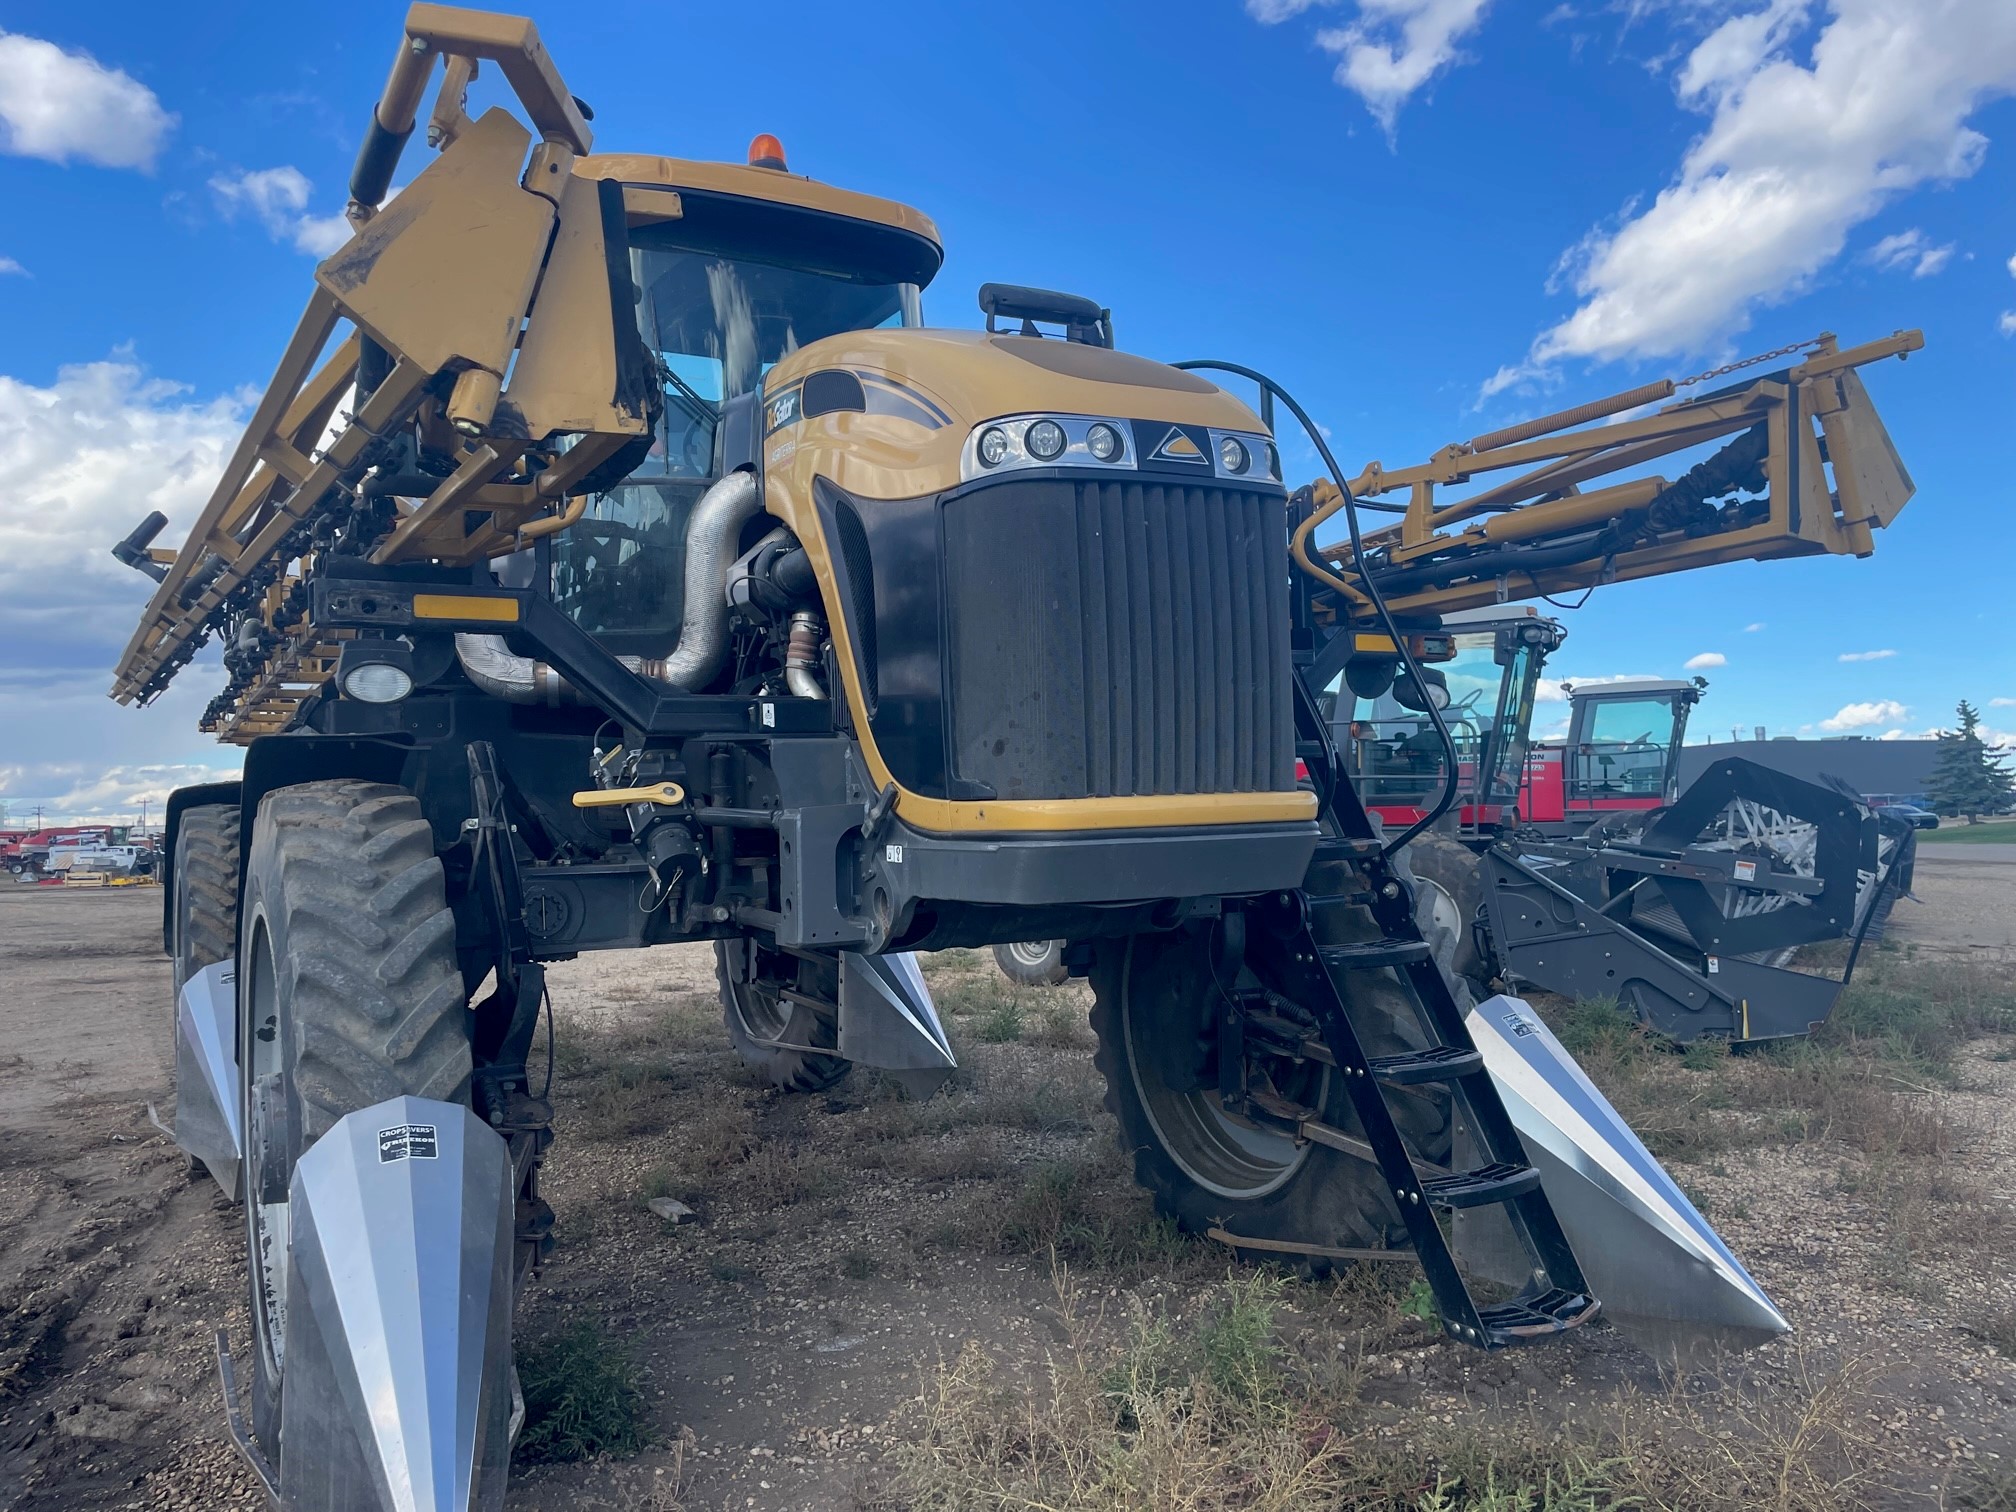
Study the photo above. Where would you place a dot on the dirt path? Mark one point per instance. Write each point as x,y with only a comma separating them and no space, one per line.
115,1266
845,1246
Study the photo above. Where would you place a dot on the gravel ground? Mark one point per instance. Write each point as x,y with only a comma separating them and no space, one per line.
843,1249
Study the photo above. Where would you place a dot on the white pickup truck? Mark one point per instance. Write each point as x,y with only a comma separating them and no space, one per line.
108,858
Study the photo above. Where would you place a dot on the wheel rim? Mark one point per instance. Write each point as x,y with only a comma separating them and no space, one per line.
1226,1157
1035,954
268,1225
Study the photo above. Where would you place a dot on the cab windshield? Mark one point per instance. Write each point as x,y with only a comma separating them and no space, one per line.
1625,748
1398,759
723,294
719,323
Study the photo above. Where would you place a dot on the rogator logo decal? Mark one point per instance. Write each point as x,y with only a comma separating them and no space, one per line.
782,410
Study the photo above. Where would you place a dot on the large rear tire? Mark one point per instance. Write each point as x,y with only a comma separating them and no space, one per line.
785,1039
203,894
349,994
1156,1006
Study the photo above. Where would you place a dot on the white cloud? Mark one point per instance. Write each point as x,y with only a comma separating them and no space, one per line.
1795,156
319,235
2002,703
70,793
278,199
1859,716
1392,49
1911,250
1752,629
9,265
1705,660
1865,656
60,105
90,454
2007,324
2012,266
1271,12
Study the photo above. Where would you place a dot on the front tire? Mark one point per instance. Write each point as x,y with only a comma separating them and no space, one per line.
1155,1009
1033,963
784,1039
349,993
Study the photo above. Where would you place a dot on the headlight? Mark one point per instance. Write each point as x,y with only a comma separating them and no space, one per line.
376,669
1245,455
1012,442
377,682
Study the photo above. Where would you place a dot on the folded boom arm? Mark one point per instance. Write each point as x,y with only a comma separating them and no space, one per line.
1804,466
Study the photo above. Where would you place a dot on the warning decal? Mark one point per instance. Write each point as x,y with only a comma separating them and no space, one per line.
408,1142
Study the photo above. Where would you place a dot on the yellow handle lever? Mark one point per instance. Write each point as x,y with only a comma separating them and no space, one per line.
669,793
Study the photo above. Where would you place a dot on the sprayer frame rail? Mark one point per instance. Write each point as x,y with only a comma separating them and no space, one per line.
386,605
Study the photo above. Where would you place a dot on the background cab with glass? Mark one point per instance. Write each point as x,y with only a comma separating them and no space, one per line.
726,286
1624,740
1484,679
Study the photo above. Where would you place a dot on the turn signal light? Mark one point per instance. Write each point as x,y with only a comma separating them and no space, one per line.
765,151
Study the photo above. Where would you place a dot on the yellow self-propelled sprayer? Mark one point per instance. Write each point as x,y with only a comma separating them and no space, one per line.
616,559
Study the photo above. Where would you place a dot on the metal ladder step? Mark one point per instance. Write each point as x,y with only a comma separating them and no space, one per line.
1498,1182
1318,979
1372,955
1527,1318
1335,848
1437,1063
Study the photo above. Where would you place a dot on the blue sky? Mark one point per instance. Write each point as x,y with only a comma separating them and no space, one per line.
1425,217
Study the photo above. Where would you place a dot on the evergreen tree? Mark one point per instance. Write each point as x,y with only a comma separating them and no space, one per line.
1968,779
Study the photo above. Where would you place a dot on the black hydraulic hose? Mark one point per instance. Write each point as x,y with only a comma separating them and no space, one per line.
1449,777
1504,561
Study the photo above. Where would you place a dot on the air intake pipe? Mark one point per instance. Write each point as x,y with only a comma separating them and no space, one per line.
713,535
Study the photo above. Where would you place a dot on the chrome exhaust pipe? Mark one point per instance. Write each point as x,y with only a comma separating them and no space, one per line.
712,538
712,535
493,667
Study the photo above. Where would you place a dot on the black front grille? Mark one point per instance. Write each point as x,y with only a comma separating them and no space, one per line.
1114,639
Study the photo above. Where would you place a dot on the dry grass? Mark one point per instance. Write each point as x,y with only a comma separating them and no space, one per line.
1083,1209
1865,1080
1220,1410
1267,1398
1184,1389
1866,1086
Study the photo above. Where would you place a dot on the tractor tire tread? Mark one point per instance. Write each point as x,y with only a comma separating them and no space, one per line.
206,882
371,948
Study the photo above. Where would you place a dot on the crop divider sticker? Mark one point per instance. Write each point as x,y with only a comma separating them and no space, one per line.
408,1142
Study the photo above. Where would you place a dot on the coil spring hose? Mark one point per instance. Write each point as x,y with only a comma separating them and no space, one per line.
1449,774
